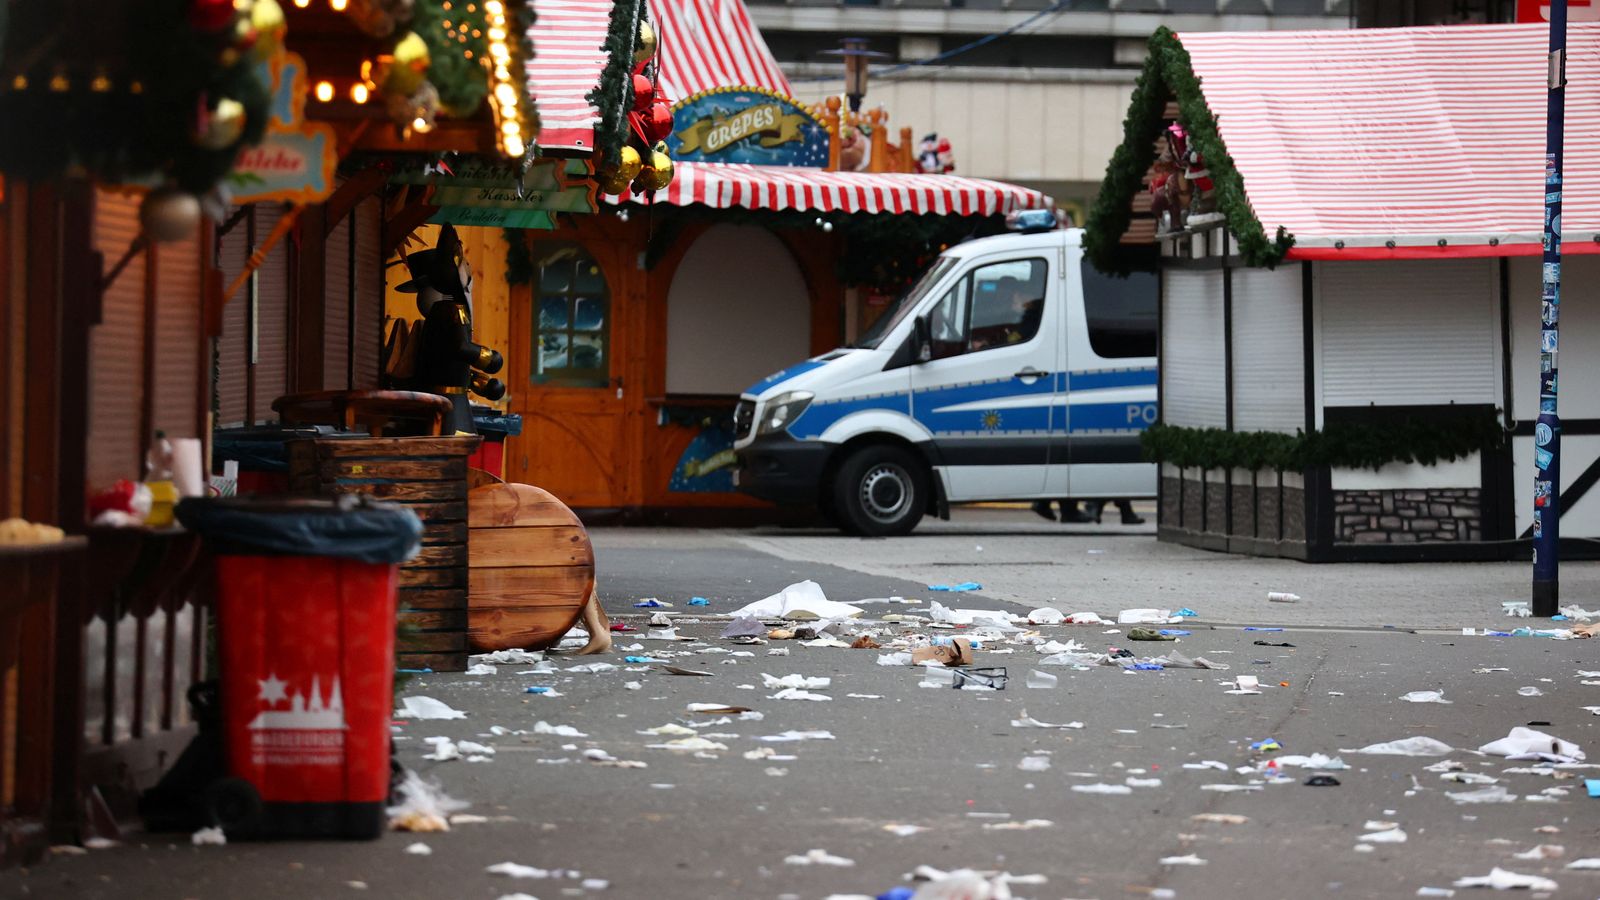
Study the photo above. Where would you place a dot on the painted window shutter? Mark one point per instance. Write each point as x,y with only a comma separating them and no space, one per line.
336,312
1193,377
272,323
368,322
179,376
116,344
232,347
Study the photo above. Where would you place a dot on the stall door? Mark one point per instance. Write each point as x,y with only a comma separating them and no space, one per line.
564,376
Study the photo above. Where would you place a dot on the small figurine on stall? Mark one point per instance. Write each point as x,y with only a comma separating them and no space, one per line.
446,355
1202,193
934,155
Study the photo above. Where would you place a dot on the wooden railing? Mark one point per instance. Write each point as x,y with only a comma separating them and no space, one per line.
883,156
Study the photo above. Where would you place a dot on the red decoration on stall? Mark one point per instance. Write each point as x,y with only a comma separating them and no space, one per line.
644,93
657,123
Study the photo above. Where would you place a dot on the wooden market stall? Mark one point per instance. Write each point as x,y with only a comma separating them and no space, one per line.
631,333
1306,242
127,312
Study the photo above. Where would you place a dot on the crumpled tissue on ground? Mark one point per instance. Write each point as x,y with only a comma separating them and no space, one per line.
802,600
1411,746
1504,880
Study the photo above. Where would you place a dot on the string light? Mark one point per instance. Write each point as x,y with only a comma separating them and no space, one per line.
421,125
359,92
338,5
324,91
302,4
504,96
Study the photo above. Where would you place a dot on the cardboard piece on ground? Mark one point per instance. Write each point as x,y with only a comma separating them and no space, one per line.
956,653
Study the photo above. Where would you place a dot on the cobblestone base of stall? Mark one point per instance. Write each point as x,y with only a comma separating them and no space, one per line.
1407,516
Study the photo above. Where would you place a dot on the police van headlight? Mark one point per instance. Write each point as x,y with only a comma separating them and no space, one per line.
782,410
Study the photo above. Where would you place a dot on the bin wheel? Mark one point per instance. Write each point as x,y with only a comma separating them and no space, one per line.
234,804
880,490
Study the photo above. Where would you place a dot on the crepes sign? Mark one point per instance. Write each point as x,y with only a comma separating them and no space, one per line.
747,125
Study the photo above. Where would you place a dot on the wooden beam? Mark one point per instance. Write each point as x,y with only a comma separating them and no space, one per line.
356,188
404,221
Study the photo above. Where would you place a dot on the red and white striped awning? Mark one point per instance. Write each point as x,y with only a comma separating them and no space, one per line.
704,44
801,189
1410,135
567,59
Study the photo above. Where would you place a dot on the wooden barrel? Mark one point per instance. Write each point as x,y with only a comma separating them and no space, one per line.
530,568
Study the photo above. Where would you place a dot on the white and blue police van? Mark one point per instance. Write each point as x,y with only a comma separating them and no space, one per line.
1012,370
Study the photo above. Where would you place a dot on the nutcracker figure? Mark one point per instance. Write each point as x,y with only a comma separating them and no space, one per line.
448,361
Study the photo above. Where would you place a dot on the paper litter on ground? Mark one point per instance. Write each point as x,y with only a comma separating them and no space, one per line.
1503,880
1412,746
420,707
802,600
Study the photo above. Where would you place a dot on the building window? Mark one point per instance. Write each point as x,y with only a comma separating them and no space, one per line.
572,325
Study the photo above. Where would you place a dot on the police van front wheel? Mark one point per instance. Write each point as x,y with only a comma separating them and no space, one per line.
880,491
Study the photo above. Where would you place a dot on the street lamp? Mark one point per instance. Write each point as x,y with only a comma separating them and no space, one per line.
857,59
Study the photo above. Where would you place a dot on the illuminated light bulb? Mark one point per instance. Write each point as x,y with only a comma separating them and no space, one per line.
324,91
476,33
506,94
501,73
338,5
511,127
494,8
446,23
497,34
498,51
471,7
359,92
19,83
421,125
514,145
467,54
302,4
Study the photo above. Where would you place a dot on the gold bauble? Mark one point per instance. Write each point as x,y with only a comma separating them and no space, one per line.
404,74
659,174
221,128
168,214
646,47
266,18
630,163
612,182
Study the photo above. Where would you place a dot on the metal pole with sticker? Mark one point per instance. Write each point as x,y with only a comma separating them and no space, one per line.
1547,431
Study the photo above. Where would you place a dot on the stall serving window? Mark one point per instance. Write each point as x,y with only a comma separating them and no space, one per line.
572,322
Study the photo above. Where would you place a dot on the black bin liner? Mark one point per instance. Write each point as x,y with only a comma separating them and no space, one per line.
495,425
259,449
347,527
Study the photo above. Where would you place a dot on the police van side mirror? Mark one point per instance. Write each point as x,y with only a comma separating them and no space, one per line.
922,343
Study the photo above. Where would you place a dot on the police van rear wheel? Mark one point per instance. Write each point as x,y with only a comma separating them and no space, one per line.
880,491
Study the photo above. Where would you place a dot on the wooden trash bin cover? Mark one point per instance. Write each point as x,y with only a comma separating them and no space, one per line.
530,568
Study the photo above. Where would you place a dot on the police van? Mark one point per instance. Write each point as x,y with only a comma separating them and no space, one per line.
1012,370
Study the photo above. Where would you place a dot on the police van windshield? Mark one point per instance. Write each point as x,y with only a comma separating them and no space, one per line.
902,307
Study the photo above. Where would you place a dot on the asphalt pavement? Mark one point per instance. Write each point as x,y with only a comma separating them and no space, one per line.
915,776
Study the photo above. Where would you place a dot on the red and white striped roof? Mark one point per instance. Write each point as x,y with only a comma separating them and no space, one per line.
707,44
704,44
1410,135
799,189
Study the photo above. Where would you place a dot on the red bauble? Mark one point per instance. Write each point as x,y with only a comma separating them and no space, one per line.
210,15
657,122
644,93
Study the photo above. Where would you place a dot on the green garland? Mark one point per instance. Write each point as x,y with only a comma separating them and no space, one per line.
462,83
1341,445
1168,71
136,125
613,95
522,17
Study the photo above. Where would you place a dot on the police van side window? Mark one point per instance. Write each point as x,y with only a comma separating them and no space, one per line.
947,322
1007,303
1120,313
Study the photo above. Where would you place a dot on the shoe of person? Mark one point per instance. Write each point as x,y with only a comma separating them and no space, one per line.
1132,518
1099,510
1076,516
1042,509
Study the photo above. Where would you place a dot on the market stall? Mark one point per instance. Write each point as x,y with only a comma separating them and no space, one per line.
632,332
1309,238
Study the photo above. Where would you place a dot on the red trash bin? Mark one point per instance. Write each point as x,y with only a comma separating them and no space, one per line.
305,643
